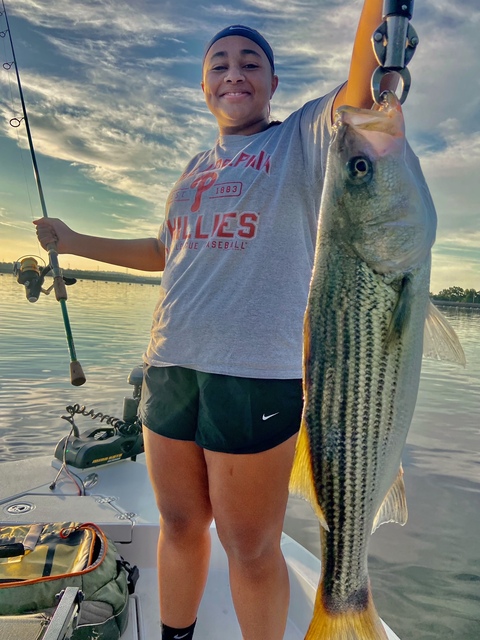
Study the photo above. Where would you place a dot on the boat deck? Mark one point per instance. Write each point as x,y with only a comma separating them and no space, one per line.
120,500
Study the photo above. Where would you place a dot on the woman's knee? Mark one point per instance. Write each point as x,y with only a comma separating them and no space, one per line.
249,546
177,524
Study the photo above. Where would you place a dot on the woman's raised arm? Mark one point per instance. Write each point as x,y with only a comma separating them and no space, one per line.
357,92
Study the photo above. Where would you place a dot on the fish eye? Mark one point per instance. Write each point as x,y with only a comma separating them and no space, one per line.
359,168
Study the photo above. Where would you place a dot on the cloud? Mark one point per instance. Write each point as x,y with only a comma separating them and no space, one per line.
115,17
125,102
122,141
452,173
112,89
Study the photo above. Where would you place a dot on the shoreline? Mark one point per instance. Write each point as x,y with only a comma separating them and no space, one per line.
449,303
118,276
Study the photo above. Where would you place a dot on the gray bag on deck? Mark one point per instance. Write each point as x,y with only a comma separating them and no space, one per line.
39,561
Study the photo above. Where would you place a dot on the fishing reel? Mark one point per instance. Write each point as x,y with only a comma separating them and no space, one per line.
32,275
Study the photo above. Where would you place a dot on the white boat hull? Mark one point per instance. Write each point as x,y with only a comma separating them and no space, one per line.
121,502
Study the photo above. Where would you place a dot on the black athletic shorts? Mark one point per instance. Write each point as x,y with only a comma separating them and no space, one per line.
221,413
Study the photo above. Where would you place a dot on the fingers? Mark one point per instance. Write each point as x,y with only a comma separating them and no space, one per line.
46,232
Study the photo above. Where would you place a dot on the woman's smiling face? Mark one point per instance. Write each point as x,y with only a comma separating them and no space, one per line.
238,84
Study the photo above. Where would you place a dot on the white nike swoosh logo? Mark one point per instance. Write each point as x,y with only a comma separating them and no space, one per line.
177,637
264,417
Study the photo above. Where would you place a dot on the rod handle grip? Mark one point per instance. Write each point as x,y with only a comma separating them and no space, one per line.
58,281
77,377
59,288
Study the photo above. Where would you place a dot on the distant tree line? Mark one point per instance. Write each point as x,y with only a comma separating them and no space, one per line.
457,294
452,294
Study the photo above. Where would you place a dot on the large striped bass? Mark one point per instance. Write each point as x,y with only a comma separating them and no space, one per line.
363,336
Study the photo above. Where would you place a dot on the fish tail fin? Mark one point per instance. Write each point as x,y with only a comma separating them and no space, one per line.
301,477
345,625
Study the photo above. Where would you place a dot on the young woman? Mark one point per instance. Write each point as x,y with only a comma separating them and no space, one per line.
222,395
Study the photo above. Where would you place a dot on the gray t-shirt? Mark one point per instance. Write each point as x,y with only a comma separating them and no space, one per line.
240,233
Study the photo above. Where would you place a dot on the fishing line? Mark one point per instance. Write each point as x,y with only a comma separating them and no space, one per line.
77,376
11,105
27,185
20,148
15,122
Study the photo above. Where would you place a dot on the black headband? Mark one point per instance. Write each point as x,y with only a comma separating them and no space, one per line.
245,32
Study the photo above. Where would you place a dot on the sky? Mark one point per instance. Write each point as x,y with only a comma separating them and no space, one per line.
116,109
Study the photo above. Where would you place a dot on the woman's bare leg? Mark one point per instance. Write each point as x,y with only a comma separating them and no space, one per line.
178,475
249,495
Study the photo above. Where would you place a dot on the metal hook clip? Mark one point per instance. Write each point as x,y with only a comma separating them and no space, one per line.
380,73
394,43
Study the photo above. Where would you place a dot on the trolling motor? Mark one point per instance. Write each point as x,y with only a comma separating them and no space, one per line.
394,43
114,439
32,276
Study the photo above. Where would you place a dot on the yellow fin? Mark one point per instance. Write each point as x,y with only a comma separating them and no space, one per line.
394,506
301,478
345,625
440,340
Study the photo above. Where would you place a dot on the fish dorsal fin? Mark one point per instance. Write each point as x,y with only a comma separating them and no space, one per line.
440,340
301,478
394,506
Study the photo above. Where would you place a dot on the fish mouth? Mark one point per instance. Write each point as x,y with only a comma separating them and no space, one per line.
385,120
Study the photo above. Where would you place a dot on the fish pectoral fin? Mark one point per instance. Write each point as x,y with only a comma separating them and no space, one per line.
401,313
440,340
394,506
301,478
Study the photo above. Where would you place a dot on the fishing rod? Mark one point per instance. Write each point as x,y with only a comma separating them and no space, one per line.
77,376
394,43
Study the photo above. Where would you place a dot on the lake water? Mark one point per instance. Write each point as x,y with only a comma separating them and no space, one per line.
425,576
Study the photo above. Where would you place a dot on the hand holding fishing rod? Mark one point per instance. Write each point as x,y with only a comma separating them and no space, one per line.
77,376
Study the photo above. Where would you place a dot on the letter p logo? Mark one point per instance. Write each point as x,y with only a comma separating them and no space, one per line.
201,184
